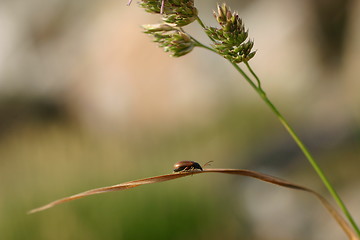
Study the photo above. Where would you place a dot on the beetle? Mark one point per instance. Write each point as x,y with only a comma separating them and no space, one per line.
187,166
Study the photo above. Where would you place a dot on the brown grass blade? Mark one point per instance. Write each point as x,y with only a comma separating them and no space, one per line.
243,172
116,187
277,181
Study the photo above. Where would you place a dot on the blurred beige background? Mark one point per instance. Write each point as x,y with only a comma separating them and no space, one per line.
87,100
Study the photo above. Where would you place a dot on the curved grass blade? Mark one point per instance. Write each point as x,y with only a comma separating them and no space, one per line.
243,172
277,181
116,187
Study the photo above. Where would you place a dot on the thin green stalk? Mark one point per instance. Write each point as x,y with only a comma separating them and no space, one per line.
253,73
200,22
199,44
257,87
301,145
198,19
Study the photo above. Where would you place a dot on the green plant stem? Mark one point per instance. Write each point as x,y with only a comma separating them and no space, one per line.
199,44
253,73
204,27
289,129
200,22
301,145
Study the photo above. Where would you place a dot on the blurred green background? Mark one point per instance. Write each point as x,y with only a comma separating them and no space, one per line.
87,100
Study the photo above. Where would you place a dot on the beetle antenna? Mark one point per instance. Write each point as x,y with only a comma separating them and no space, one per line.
207,164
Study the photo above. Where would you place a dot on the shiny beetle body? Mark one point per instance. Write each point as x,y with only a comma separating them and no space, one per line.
187,166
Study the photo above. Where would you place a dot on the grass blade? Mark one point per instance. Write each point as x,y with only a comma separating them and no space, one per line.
243,172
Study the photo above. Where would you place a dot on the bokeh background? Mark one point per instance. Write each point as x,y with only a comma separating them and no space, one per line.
87,100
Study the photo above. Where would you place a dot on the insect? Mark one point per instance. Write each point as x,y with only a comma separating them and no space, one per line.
187,166
161,8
